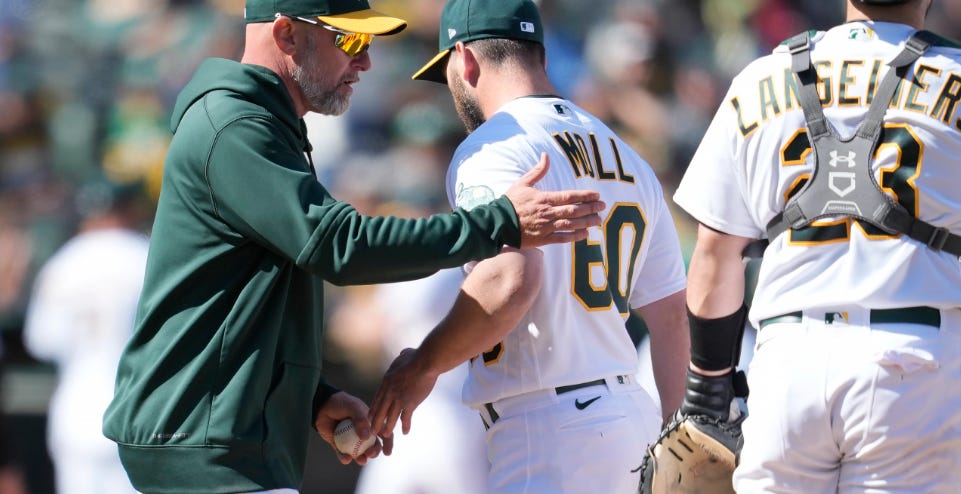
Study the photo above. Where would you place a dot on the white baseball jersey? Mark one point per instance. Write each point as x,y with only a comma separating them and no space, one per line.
80,316
756,154
575,331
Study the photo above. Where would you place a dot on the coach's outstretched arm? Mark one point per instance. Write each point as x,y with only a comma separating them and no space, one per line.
552,217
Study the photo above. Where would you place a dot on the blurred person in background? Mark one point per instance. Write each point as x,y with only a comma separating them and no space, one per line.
79,317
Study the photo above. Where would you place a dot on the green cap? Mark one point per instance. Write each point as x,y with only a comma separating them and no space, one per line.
354,16
469,20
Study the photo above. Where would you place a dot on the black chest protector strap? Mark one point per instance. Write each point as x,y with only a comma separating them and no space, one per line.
843,182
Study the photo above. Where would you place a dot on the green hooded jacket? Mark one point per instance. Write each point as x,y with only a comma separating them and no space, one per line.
217,390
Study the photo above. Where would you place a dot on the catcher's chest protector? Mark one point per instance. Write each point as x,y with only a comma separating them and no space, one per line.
842,182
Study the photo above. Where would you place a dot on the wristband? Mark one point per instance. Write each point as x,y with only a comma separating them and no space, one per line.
716,343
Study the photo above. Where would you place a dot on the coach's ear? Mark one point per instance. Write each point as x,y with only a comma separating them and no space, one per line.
282,30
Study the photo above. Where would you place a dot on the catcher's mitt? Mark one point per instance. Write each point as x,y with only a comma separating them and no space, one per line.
695,454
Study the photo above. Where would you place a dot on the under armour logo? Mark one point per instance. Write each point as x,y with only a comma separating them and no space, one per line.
847,178
849,159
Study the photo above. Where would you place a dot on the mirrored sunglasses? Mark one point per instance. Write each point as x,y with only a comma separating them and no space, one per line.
352,44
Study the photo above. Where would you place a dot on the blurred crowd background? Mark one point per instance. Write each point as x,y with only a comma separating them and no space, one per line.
86,90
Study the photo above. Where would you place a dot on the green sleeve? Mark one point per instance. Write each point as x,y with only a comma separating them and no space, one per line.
264,190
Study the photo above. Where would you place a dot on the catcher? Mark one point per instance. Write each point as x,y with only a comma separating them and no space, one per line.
841,149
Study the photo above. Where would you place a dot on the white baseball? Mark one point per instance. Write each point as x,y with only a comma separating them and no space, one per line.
348,442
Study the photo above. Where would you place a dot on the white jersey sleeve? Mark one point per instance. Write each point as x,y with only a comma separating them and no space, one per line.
713,187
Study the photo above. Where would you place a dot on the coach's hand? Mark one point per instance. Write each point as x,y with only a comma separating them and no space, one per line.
552,217
341,406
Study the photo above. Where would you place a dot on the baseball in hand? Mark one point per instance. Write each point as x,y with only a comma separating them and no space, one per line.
347,441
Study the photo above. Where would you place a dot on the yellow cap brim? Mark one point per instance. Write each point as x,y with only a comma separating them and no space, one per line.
365,21
435,70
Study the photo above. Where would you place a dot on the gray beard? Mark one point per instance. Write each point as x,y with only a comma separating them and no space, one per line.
316,89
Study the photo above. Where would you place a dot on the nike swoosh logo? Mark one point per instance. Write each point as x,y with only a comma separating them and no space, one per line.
584,404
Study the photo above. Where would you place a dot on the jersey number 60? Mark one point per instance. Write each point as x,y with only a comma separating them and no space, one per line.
615,257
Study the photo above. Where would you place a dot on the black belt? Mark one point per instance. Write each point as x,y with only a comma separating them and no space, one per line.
559,390
566,389
928,316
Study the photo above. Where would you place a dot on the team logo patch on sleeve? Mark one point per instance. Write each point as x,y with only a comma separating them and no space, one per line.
471,197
